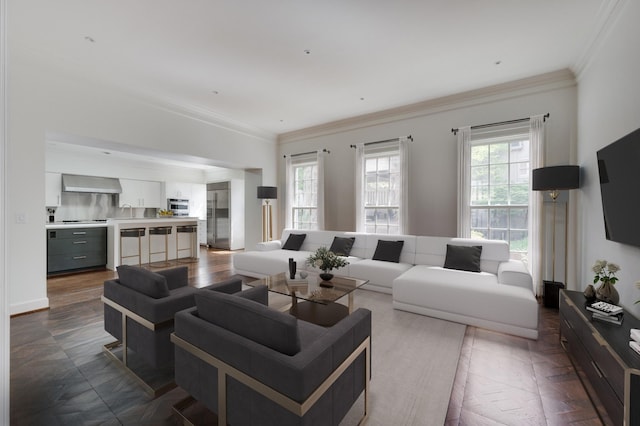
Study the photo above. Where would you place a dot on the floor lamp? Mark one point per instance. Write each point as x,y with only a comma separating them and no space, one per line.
267,193
554,179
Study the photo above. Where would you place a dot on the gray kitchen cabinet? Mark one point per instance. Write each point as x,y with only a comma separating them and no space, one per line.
75,249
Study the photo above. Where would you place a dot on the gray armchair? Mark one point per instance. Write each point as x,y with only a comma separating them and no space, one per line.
273,368
146,302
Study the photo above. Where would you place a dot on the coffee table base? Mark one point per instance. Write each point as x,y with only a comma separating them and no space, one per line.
316,313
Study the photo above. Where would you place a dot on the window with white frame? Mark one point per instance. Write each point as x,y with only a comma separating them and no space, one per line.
382,185
499,191
304,208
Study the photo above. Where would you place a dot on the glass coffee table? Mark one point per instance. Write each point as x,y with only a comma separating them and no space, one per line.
317,302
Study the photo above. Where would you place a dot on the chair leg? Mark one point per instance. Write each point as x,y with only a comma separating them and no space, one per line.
109,348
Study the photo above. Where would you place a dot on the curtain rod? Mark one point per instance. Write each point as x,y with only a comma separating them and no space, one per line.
500,123
307,153
386,140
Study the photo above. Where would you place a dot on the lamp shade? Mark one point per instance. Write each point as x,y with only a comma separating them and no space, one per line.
268,192
556,178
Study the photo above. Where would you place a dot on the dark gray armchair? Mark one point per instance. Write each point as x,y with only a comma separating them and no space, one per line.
146,302
250,364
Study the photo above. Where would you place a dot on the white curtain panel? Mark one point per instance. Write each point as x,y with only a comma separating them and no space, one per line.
404,185
536,160
464,181
320,189
359,170
288,199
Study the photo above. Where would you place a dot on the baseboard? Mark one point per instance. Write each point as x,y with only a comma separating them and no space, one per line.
29,306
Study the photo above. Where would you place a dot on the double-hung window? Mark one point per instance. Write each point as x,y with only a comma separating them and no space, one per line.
382,181
499,191
305,195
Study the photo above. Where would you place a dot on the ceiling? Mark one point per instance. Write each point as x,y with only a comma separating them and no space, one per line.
284,65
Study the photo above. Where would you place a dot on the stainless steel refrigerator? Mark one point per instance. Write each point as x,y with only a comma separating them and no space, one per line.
218,217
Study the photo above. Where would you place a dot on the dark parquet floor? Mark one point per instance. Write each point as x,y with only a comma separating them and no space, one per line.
59,375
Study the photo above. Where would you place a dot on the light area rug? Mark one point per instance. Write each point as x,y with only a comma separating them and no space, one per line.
414,363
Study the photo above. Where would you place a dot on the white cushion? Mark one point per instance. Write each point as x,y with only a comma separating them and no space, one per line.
377,272
262,263
472,294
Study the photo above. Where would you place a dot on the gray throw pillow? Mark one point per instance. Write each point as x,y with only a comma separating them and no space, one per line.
342,246
251,320
464,258
294,242
143,281
389,251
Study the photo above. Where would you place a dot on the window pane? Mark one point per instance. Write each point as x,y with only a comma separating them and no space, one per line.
499,194
519,241
479,218
518,218
480,195
520,194
383,164
499,153
371,165
499,218
498,174
480,175
480,234
479,155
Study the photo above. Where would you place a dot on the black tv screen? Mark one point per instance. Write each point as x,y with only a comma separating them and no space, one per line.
619,169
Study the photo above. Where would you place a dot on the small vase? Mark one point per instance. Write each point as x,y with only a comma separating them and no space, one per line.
326,276
590,293
607,293
292,269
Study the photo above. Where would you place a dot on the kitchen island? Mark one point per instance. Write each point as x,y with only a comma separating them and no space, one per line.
124,250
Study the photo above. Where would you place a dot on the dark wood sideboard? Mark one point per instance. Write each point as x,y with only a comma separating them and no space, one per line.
601,350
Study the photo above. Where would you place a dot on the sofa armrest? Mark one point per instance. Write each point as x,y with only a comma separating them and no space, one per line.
230,286
269,245
514,272
176,277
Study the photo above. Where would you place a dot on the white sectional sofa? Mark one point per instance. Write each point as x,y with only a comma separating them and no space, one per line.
500,297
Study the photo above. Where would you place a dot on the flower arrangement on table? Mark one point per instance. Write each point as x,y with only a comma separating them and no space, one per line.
326,261
605,272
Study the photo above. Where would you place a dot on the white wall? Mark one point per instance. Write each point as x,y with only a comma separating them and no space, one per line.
63,160
433,154
42,101
608,108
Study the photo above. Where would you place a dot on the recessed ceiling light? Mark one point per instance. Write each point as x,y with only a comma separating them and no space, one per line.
106,152
362,99
497,62
307,51
89,39
215,92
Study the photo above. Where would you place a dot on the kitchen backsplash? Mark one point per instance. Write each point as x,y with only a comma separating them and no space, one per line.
84,206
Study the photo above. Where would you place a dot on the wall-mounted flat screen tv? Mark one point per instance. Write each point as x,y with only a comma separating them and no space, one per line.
619,168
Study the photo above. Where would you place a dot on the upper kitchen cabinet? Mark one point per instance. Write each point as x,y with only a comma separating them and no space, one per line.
53,189
178,190
141,193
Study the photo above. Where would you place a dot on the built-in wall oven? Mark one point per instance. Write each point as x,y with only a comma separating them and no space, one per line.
178,206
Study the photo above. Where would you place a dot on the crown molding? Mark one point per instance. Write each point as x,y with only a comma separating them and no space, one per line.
544,82
608,14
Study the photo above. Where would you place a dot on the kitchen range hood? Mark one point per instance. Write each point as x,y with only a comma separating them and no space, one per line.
94,184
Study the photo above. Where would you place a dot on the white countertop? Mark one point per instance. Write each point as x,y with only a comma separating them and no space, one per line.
70,225
142,221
